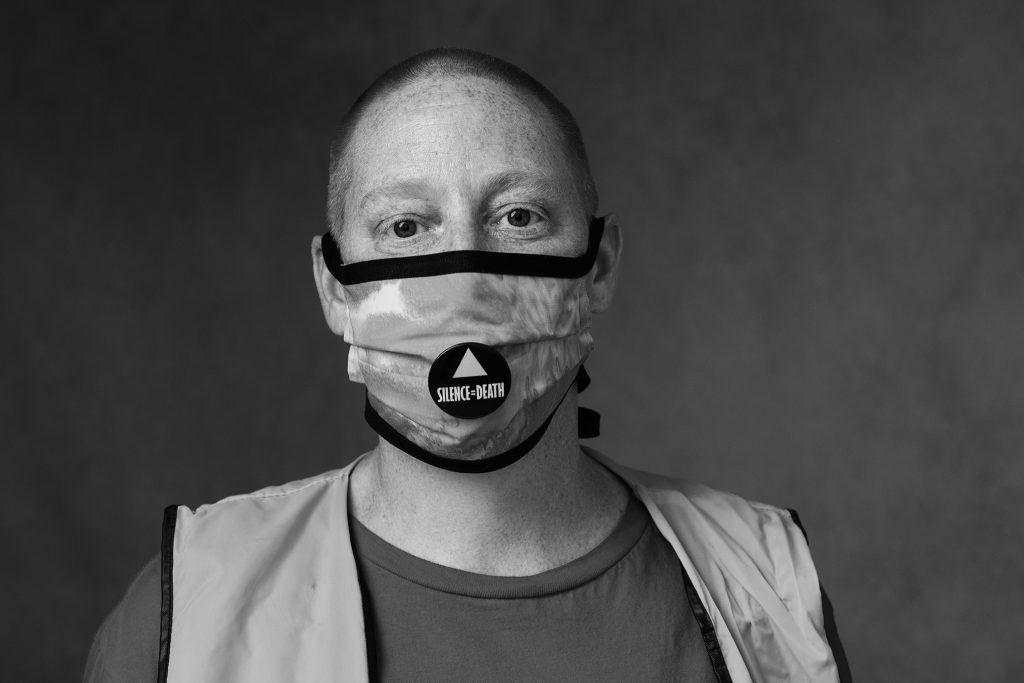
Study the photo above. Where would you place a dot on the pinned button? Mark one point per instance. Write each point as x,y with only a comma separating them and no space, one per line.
469,380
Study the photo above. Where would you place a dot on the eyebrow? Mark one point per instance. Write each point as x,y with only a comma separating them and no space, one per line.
418,188
534,183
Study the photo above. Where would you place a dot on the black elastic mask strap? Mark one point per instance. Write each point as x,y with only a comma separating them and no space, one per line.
588,420
489,464
588,423
445,262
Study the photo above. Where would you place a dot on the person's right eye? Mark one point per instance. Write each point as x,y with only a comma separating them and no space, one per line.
404,228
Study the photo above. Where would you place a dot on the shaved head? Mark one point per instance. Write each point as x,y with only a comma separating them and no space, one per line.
443,66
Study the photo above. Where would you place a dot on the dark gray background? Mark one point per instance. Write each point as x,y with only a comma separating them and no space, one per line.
821,305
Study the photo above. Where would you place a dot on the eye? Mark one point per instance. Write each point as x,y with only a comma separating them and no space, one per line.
404,228
520,218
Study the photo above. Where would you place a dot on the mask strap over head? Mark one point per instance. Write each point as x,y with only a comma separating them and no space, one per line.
589,426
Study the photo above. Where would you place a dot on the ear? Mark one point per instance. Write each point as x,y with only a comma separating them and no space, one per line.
332,294
605,273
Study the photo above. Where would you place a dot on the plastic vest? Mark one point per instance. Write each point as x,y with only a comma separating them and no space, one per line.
263,586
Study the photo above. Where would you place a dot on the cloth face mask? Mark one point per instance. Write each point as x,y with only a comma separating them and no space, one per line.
457,346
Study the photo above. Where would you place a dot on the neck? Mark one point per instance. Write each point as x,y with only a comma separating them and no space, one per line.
550,507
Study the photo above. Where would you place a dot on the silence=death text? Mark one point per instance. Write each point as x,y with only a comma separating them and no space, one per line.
468,392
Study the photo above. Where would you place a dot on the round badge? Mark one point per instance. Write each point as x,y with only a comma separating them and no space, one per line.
469,380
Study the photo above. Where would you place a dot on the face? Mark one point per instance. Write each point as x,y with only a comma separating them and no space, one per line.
462,164
450,164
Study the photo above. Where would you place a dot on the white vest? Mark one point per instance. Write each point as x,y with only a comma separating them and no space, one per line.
264,585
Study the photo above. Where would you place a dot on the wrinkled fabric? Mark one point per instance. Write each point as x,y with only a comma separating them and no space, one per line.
398,327
753,570
265,584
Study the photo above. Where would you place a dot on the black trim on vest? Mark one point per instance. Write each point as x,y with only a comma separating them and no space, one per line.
707,631
445,262
488,464
831,630
832,635
799,524
166,589
370,626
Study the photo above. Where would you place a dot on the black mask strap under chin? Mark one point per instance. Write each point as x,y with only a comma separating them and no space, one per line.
589,423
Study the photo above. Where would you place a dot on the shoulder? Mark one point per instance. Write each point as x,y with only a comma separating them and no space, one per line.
735,515
126,646
699,501
251,510
243,531
757,565
722,531
290,490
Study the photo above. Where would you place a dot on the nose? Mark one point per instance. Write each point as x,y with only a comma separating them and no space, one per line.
465,232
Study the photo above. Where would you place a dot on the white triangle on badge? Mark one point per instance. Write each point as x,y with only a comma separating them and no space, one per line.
469,367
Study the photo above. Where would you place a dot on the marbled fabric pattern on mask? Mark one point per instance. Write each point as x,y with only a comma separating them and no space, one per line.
540,325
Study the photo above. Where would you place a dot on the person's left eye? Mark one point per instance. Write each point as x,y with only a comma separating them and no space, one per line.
520,217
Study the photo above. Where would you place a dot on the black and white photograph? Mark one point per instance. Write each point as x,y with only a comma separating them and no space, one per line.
512,341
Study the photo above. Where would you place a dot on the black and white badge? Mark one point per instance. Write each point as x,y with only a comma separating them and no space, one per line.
469,380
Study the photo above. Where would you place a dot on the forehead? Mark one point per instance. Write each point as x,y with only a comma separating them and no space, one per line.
455,127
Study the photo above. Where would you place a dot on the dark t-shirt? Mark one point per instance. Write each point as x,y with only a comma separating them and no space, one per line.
620,612
126,647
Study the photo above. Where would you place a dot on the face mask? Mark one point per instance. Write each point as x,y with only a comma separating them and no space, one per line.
460,347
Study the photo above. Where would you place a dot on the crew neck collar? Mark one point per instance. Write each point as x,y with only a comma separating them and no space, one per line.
370,547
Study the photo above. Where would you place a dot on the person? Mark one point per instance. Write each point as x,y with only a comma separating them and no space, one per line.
479,540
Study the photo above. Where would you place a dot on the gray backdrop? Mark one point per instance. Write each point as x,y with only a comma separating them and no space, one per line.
820,305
